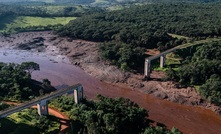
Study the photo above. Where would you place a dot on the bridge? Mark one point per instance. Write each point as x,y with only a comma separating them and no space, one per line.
162,56
42,102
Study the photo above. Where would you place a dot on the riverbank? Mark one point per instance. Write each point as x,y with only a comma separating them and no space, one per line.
85,54
189,119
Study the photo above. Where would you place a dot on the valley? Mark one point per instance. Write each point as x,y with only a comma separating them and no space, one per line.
58,69
103,44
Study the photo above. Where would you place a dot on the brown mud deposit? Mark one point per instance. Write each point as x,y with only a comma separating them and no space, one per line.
86,55
189,119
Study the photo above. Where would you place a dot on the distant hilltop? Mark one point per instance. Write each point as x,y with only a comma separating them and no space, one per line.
76,1
107,2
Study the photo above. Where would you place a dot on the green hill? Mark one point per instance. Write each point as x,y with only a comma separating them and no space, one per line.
108,2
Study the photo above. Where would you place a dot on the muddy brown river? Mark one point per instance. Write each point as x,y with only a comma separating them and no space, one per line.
189,119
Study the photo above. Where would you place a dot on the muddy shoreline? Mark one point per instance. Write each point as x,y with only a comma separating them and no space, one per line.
84,54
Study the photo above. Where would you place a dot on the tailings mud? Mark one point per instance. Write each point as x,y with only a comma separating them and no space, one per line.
59,71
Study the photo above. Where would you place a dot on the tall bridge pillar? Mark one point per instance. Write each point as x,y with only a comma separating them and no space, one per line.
78,94
43,107
162,60
147,68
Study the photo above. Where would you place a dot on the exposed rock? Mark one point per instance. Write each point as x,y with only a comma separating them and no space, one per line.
36,43
160,95
78,54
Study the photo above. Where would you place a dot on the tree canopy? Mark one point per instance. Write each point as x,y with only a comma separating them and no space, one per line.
204,69
108,116
136,28
16,82
30,67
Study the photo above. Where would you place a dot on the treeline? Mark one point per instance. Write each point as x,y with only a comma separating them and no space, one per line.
204,69
43,11
192,20
147,26
108,116
16,82
186,1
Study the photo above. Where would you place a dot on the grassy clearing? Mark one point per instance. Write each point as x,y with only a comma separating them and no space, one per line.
173,58
27,21
115,7
41,21
31,119
100,2
178,36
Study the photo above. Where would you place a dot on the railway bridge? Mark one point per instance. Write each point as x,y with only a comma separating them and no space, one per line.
162,56
42,102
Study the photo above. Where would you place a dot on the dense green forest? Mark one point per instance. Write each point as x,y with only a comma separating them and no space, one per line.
108,116
124,36
16,83
204,69
103,2
127,33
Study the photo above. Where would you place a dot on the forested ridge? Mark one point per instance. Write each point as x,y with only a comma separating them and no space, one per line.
202,69
193,20
127,33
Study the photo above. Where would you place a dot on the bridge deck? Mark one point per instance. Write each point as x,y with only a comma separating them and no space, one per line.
163,53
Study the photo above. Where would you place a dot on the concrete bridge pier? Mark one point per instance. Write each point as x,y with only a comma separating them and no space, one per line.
147,68
78,94
162,60
43,107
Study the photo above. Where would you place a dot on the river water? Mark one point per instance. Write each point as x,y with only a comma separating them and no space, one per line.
59,71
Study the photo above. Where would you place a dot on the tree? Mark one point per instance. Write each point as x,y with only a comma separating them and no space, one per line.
203,69
16,82
30,67
161,130
211,90
110,116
